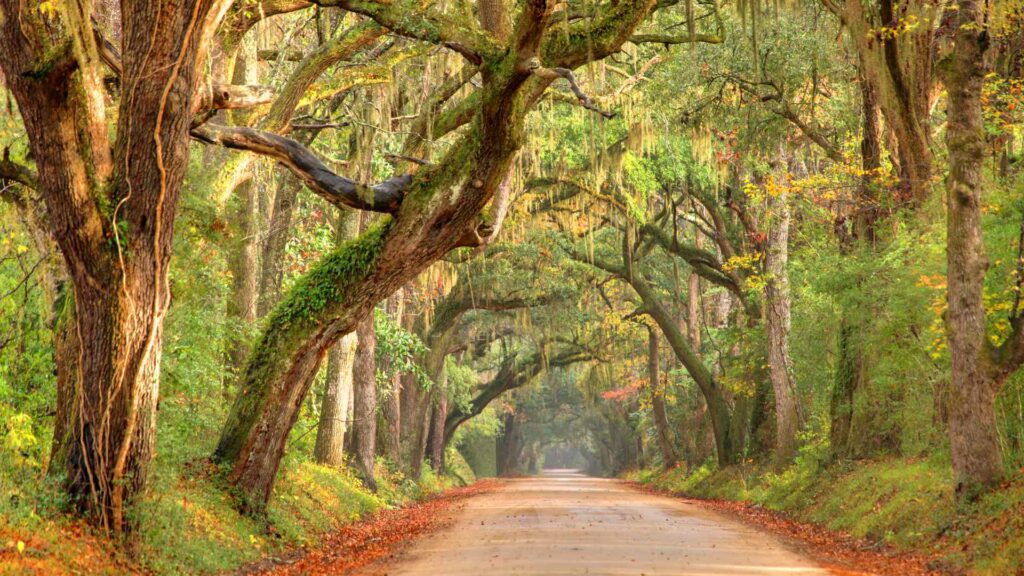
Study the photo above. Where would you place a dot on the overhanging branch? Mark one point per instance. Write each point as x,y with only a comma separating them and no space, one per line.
340,191
584,100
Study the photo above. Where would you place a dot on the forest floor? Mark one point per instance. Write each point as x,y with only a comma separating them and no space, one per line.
192,526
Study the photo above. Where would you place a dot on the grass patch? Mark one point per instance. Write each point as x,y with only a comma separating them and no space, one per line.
905,503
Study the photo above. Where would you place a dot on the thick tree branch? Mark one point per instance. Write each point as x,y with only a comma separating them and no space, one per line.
668,39
413,19
584,100
342,192
19,173
515,372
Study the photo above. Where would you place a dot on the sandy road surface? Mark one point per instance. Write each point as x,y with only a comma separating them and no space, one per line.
567,523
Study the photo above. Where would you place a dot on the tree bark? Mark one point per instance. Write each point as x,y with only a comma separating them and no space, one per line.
718,410
777,325
272,274
661,425
364,409
392,406
244,266
437,422
510,446
973,435
335,409
111,206
899,70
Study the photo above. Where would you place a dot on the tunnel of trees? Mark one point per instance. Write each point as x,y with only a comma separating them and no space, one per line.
395,237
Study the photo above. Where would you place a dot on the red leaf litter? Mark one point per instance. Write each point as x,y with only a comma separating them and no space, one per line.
838,552
366,541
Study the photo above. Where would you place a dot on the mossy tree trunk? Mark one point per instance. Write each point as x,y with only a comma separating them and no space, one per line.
433,211
978,368
111,199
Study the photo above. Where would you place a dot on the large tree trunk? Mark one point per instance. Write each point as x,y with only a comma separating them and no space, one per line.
510,447
434,211
335,410
418,452
777,325
661,425
364,408
851,362
112,208
973,436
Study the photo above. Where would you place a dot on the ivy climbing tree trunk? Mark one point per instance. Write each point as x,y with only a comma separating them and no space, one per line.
111,203
853,231
432,211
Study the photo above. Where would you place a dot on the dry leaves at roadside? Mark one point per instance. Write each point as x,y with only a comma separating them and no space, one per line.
841,553
363,542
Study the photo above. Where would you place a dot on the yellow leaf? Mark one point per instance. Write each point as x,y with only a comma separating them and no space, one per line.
21,546
22,248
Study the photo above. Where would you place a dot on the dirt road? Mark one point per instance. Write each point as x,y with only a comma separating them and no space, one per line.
567,523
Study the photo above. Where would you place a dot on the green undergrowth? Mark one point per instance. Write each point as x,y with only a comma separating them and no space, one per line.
907,504
188,523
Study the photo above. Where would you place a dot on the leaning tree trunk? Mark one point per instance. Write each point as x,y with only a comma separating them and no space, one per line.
661,425
334,411
364,408
727,447
973,435
434,211
777,325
